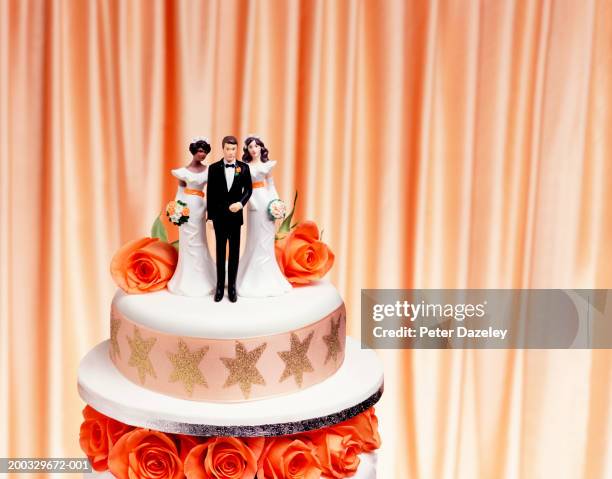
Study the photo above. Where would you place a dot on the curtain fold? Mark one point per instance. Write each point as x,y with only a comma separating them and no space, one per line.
440,144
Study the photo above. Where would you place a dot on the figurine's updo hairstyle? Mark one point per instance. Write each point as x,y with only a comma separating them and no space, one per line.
194,147
246,156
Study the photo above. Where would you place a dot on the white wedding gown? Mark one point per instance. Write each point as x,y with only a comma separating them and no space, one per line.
195,273
258,271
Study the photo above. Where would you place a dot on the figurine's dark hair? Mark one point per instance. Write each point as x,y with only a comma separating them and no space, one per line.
194,147
229,140
246,156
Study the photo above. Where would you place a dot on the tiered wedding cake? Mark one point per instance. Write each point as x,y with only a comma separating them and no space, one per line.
266,387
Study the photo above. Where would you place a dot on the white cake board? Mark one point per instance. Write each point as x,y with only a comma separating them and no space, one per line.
356,386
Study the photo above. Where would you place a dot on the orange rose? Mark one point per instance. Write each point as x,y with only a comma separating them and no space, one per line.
363,428
338,455
144,453
224,458
144,265
289,458
186,443
97,436
301,256
185,211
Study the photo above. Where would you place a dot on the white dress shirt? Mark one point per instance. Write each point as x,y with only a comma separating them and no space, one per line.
229,174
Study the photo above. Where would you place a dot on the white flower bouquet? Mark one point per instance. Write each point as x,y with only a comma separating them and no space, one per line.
178,212
277,209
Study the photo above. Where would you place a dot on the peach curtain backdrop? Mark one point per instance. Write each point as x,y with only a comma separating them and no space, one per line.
439,144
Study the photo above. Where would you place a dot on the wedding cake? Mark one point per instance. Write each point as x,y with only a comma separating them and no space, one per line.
258,386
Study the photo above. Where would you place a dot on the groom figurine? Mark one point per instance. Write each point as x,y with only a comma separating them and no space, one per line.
228,191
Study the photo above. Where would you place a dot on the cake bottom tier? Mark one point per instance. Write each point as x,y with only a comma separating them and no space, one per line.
366,470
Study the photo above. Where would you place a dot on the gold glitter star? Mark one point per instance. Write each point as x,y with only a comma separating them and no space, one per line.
333,341
296,359
140,354
115,352
186,367
243,369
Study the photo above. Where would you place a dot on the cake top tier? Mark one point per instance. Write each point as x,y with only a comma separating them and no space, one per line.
250,317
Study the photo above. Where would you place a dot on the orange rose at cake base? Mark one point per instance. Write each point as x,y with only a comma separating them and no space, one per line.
225,457
289,457
98,435
144,453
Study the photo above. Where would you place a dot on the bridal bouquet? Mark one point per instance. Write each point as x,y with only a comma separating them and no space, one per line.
177,212
277,209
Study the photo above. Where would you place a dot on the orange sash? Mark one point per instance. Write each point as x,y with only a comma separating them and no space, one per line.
191,191
259,184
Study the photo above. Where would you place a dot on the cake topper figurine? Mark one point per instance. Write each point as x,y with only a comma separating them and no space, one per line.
259,274
195,272
229,190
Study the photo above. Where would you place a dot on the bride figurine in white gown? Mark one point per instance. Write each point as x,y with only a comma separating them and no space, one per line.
195,271
259,274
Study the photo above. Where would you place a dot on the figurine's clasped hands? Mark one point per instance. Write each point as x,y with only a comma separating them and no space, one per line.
234,207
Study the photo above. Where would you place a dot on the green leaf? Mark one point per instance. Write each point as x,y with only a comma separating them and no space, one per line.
175,244
285,226
158,230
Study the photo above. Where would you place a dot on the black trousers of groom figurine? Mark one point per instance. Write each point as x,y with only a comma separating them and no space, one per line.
225,233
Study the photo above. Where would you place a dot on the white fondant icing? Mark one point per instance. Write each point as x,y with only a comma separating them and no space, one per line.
249,317
103,387
366,470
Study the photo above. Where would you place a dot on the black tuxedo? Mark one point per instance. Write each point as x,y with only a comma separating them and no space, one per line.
219,199
227,224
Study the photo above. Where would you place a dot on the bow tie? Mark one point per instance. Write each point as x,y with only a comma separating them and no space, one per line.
230,165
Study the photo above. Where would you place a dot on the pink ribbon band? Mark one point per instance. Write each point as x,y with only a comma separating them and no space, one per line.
228,370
